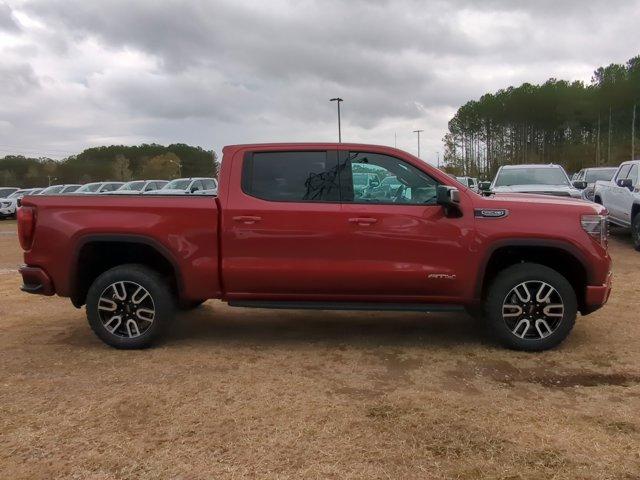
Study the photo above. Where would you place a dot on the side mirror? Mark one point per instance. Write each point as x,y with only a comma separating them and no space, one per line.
625,183
484,186
580,184
449,198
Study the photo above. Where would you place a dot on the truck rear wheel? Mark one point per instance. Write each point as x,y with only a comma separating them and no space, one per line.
530,307
129,306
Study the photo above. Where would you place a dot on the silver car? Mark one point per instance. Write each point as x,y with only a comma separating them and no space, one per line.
546,179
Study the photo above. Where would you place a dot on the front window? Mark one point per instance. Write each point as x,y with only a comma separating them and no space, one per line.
388,180
178,184
592,176
52,190
531,176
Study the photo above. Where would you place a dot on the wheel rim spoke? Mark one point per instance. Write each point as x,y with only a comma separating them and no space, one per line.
533,310
126,309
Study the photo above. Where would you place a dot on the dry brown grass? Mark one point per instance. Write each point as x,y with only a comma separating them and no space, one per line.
239,393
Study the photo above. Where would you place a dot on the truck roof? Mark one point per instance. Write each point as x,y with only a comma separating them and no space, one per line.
532,165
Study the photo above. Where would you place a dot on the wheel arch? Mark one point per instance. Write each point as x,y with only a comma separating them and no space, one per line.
556,254
96,253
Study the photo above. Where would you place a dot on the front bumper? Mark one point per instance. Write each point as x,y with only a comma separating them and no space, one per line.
35,280
596,296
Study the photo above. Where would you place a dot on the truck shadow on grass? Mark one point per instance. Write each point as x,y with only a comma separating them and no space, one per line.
216,323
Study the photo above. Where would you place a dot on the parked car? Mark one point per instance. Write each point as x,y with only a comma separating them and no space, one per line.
9,205
138,187
186,186
469,182
621,197
540,179
6,191
586,179
287,231
60,189
98,187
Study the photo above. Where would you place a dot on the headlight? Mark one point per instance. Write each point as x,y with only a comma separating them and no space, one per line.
596,227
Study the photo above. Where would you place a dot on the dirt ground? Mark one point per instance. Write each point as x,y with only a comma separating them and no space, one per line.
237,393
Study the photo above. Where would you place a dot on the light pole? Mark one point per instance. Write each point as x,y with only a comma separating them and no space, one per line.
438,154
418,132
338,100
179,164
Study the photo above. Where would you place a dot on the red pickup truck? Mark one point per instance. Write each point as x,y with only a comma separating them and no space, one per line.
322,226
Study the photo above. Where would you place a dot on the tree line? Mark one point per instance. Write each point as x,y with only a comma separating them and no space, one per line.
568,123
114,163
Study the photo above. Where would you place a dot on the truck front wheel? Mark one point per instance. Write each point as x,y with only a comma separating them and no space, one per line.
129,306
635,231
530,307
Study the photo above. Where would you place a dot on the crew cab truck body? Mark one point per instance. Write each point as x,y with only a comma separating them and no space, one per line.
287,231
621,198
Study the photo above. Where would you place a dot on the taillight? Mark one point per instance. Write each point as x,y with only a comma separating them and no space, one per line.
26,226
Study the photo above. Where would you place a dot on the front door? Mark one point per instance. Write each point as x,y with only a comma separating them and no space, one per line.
403,246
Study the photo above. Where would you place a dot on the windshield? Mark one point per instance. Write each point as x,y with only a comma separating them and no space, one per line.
89,187
70,188
178,184
594,175
52,189
134,186
19,193
4,192
531,176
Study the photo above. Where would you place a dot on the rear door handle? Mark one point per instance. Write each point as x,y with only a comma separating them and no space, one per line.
363,220
247,219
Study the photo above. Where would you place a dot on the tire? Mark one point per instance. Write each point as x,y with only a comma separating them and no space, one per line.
540,323
116,294
635,231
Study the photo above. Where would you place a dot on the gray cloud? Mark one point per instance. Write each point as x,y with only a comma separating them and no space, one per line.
6,19
228,71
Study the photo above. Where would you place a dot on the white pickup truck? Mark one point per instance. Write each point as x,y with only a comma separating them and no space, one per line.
621,197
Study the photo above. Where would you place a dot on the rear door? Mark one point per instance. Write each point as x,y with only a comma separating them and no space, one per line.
402,247
280,227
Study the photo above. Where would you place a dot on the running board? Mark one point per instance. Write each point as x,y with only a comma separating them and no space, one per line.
396,307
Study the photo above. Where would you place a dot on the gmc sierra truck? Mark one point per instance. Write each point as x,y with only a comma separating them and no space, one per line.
621,197
289,230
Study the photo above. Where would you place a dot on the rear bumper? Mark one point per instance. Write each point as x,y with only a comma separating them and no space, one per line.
35,280
597,295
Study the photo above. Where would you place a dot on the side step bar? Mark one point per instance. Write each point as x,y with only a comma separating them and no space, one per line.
401,307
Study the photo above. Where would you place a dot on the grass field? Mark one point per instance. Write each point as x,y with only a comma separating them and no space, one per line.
237,393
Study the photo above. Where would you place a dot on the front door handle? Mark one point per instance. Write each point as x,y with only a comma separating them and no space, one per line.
363,220
247,219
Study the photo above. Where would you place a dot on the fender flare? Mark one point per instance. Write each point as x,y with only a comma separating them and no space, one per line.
74,266
527,242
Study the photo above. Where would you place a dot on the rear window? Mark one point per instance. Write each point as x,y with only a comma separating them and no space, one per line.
291,176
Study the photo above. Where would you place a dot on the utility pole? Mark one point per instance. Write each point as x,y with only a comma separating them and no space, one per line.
633,133
338,100
598,143
395,139
609,142
418,132
438,155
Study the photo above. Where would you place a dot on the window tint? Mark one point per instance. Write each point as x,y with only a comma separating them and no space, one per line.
291,176
376,178
622,173
633,174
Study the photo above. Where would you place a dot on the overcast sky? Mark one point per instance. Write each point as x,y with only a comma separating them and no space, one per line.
79,73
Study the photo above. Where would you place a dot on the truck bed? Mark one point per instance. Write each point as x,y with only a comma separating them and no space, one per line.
184,229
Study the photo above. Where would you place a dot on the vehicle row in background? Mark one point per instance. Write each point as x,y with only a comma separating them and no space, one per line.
10,196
